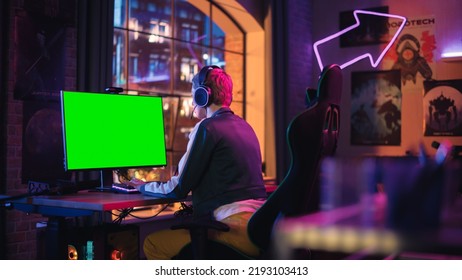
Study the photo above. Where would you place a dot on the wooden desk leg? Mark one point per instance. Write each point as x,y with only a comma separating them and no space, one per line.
55,239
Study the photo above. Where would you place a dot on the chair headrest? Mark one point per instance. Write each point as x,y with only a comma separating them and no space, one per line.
330,83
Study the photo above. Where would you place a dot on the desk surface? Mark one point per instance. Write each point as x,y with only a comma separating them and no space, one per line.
351,229
101,201
95,201
85,203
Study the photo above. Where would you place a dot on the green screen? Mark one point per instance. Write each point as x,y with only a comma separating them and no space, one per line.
103,130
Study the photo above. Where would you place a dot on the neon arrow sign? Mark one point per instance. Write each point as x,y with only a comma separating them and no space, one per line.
366,55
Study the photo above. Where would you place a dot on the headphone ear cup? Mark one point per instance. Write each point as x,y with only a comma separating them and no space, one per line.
202,96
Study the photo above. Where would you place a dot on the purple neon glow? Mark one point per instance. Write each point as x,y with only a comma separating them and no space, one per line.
451,54
355,14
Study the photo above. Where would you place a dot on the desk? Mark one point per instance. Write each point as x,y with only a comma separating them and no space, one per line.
357,232
84,203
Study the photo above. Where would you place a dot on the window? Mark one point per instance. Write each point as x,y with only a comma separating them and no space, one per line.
158,47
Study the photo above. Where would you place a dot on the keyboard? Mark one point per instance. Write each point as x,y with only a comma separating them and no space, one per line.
123,188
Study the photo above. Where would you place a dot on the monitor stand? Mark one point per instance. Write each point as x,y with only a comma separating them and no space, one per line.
102,187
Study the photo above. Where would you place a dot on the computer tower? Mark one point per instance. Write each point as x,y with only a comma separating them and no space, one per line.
106,242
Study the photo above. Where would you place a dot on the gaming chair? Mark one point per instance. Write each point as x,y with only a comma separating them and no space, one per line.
311,135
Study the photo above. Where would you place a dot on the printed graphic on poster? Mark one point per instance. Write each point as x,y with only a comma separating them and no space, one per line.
413,52
373,30
376,108
442,107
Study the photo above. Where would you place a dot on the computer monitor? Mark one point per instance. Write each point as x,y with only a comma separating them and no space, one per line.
112,131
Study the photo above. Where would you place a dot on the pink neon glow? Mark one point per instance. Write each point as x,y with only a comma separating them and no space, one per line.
451,54
355,14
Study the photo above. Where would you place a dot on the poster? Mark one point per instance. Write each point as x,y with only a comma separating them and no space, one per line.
442,107
413,52
376,108
373,30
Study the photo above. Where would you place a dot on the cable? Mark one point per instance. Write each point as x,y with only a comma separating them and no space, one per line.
123,214
185,210
153,216
128,212
192,113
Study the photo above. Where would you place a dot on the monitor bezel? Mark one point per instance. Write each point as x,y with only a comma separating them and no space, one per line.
66,161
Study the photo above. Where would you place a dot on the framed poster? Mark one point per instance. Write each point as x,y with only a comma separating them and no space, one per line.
442,107
376,108
373,30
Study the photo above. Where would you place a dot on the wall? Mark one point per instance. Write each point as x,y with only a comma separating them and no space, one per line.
4,23
291,69
448,35
21,227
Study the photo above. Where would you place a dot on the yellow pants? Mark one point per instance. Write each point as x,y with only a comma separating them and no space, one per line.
165,244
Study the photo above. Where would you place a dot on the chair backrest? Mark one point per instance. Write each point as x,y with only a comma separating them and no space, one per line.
311,135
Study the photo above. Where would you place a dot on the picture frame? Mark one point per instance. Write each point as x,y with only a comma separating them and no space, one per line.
442,108
376,108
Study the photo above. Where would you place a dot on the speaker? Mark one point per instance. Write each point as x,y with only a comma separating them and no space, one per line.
203,95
